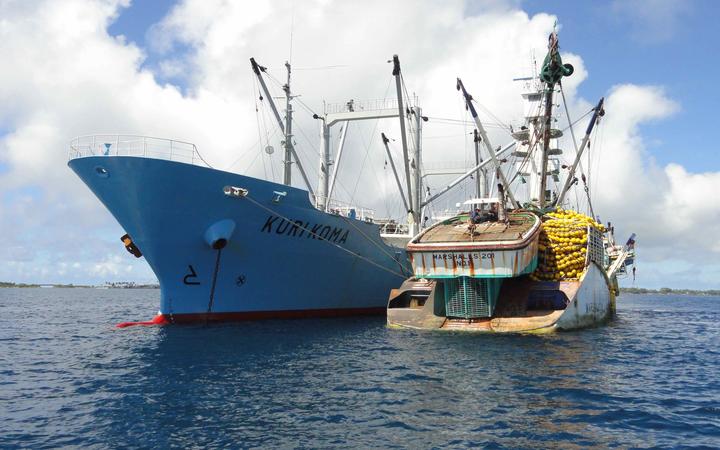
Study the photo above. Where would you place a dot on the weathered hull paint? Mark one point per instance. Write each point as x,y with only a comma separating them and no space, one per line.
476,264
593,305
282,259
482,259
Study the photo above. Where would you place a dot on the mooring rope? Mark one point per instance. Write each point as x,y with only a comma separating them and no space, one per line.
349,222
214,283
357,255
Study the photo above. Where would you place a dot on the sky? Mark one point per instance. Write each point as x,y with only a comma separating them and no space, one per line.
179,69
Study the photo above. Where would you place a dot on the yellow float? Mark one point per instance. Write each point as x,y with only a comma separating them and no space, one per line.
563,245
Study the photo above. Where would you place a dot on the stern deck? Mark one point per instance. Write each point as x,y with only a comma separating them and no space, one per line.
457,229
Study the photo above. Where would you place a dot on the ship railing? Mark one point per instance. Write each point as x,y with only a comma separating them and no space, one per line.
140,146
377,104
349,210
391,226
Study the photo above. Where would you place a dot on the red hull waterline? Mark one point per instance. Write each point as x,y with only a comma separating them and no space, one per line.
166,319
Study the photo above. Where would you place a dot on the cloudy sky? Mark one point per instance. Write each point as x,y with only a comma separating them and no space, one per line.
180,70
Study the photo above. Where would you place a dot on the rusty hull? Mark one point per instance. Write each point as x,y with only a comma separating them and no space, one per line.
590,303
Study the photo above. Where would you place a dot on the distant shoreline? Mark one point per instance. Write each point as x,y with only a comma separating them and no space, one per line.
131,285
667,291
122,285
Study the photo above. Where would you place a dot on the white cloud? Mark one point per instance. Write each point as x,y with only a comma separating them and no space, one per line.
112,267
69,77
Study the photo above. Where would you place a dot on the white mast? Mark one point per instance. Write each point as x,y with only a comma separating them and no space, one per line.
336,164
552,72
287,173
324,173
488,146
481,174
542,195
285,127
416,171
527,138
403,137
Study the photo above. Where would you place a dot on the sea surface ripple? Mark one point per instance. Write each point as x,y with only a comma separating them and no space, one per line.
68,378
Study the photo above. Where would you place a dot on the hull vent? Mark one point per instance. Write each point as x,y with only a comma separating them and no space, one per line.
468,298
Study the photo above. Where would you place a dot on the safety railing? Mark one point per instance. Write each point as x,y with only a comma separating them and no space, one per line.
140,146
349,210
390,226
377,104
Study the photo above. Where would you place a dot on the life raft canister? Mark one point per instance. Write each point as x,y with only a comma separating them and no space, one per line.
130,246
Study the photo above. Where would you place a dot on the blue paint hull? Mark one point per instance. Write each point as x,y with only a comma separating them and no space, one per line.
269,268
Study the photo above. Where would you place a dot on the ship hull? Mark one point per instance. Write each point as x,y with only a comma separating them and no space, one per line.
589,302
280,257
593,304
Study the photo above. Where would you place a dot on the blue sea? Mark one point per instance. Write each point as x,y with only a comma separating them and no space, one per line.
68,378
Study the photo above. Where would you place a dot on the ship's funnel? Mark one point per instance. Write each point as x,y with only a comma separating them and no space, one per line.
218,234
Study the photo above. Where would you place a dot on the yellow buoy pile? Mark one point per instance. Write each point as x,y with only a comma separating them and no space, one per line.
562,247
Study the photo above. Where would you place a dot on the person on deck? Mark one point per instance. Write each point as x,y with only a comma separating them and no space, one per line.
475,219
492,215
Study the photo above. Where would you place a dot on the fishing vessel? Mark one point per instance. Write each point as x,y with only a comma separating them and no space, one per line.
503,265
227,246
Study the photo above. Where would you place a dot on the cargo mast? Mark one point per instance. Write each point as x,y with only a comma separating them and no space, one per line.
552,72
285,126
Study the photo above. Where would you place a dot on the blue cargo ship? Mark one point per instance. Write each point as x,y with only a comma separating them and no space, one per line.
219,256
225,246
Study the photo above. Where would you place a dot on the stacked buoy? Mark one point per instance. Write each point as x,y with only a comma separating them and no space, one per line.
562,248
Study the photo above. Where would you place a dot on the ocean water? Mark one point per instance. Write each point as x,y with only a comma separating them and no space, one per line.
68,378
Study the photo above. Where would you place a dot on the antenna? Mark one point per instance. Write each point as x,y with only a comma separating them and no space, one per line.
292,27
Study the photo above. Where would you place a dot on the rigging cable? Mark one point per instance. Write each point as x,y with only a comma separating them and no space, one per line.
317,153
297,128
244,153
336,66
499,123
257,120
398,205
402,269
367,148
367,145
527,159
572,133
448,121
292,26
532,142
264,116
357,255
600,135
